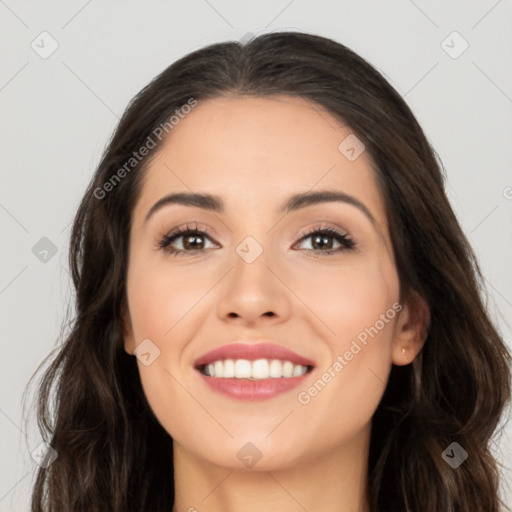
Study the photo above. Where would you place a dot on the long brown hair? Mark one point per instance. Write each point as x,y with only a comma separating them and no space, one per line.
112,452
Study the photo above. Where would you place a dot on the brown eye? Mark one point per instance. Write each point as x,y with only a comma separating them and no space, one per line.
323,239
192,239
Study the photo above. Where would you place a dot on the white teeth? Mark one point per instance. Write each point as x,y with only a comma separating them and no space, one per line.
259,369
229,369
287,369
299,370
276,368
242,369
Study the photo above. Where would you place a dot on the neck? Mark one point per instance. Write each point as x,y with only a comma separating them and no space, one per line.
335,481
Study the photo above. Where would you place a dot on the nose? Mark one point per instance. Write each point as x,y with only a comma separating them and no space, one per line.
253,294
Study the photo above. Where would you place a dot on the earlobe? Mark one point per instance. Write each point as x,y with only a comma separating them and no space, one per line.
411,330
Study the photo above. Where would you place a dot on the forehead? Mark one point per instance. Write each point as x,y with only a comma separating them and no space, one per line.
255,151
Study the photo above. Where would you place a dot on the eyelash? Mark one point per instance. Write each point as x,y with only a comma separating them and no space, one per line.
348,243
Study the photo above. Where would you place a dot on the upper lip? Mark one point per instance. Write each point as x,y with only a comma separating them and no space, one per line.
252,352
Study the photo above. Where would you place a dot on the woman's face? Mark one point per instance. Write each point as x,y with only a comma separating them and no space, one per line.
253,275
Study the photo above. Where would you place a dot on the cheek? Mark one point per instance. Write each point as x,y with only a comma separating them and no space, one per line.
159,298
154,309
351,298
359,305
161,302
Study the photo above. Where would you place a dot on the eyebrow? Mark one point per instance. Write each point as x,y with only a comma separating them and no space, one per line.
295,202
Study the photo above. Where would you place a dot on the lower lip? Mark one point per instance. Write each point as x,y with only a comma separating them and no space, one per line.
258,389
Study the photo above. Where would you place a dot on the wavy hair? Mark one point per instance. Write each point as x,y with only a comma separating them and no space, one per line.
112,452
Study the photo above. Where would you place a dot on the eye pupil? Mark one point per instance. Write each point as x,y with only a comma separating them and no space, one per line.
320,244
195,244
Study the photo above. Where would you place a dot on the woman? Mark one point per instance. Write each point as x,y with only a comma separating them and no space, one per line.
276,306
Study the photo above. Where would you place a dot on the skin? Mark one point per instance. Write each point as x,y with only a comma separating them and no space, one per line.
254,153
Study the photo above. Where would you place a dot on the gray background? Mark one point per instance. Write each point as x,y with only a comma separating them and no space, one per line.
58,112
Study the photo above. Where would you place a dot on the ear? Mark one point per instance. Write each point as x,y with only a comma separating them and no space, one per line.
128,336
411,330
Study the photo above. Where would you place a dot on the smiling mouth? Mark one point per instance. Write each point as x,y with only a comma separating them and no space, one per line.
259,369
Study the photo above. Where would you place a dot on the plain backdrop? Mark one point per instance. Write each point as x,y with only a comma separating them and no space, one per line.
58,111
